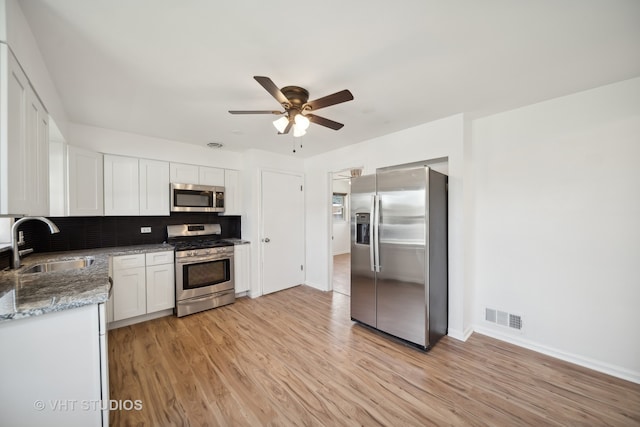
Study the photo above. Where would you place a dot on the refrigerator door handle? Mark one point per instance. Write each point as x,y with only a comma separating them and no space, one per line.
376,233
372,233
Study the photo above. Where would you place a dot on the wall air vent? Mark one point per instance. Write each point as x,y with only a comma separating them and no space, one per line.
503,318
515,321
490,315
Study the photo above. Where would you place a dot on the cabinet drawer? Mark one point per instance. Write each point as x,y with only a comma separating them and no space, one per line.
128,261
157,258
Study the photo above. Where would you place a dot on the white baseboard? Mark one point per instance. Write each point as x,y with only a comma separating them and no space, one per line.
459,334
586,362
316,286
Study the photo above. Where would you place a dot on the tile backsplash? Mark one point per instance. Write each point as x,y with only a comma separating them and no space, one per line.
108,231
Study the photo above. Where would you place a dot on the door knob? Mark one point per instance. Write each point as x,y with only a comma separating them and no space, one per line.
266,240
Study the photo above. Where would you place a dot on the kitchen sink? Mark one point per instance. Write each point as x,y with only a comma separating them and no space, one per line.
68,264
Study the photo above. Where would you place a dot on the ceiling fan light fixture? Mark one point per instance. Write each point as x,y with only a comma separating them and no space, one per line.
281,123
302,122
297,132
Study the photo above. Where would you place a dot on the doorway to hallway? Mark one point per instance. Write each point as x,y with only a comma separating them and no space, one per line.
342,273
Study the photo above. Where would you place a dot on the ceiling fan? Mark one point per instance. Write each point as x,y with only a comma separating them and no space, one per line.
297,107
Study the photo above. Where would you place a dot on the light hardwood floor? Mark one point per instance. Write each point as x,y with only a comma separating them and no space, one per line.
342,273
295,358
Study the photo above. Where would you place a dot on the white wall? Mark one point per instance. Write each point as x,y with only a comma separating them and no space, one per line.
441,138
341,242
558,226
134,145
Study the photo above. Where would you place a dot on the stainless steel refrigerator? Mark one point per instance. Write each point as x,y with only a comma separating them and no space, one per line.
399,253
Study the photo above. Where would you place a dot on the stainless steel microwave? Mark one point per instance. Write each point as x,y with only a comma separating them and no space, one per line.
196,198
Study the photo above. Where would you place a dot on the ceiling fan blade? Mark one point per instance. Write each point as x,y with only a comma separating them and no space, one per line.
324,122
287,129
271,87
256,112
333,99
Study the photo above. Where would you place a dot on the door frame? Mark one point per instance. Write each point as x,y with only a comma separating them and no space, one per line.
329,211
261,222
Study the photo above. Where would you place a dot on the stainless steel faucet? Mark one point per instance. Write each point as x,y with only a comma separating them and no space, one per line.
14,235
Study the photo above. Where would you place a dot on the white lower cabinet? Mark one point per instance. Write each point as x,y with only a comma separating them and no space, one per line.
129,286
242,267
142,284
51,373
161,289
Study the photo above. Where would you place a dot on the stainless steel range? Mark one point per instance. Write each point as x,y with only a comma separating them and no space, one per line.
204,268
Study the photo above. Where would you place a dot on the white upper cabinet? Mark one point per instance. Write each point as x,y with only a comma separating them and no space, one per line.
211,176
57,178
38,142
121,186
24,137
85,177
135,186
184,174
192,174
232,193
154,187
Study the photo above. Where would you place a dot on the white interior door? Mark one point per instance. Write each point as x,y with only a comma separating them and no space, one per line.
282,231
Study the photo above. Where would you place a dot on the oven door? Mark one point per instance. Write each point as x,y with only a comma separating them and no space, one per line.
206,275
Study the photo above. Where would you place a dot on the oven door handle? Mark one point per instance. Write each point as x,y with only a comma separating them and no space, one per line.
204,258
192,300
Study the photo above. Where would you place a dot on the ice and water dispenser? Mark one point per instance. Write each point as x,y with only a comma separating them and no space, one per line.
362,228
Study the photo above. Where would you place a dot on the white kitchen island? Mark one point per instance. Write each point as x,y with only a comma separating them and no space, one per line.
50,369
53,341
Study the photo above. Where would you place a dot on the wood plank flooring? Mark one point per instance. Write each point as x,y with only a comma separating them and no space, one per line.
295,358
342,273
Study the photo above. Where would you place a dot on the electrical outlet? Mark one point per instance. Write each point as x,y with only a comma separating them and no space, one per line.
145,230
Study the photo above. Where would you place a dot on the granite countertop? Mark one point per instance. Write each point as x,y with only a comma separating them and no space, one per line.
24,295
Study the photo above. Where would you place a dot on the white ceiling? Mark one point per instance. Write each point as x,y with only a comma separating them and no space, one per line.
172,68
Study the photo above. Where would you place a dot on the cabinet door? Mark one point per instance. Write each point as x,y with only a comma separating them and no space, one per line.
232,193
211,176
17,179
53,358
242,267
85,182
37,167
57,178
24,175
129,293
154,187
161,292
184,174
121,187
